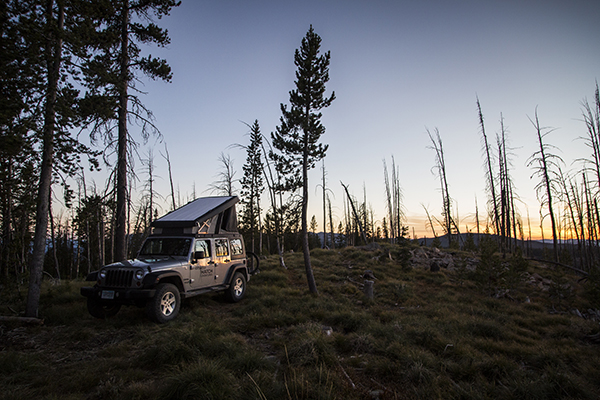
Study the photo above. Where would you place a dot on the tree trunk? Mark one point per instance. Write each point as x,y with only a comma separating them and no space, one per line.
324,244
170,177
331,224
390,206
7,229
121,217
362,232
490,173
547,185
53,57
53,237
273,196
312,285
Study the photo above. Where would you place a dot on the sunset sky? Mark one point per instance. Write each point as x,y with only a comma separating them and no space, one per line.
397,69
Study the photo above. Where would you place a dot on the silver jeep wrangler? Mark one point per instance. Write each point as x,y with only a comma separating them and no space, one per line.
193,250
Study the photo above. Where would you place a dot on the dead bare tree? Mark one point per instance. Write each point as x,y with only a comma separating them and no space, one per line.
477,217
224,185
591,117
491,186
364,214
324,188
508,214
591,210
591,165
394,196
168,159
275,189
331,223
389,204
449,225
356,217
150,194
429,221
546,166
325,191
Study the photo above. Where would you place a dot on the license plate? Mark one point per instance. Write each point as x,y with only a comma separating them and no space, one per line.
108,294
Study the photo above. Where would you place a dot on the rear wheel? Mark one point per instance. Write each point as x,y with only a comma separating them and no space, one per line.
100,309
165,305
237,289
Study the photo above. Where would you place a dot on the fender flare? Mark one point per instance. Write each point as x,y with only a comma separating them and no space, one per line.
233,269
154,278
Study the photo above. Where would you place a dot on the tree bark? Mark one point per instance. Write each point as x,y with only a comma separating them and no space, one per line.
312,285
121,217
53,57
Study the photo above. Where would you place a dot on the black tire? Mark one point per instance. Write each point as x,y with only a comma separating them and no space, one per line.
102,310
237,289
253,262
165,305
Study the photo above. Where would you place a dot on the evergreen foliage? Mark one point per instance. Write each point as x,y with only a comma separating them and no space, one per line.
297,137
111,65
252,187
45,41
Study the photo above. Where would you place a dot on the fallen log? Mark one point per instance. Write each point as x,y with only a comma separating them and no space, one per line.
24,320
580,272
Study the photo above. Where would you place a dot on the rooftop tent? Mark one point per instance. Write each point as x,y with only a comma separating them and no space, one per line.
203,215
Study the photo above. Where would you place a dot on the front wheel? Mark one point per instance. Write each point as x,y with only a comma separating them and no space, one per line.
165,305
237,289
101,310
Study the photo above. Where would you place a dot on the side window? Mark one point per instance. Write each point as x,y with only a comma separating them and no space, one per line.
236,247
221,248
203,245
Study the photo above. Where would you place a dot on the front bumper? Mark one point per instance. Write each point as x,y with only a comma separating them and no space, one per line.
117,295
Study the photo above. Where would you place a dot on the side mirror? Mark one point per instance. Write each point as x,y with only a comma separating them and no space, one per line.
198,255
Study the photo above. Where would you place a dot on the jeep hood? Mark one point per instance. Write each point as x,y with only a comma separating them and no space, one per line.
151,264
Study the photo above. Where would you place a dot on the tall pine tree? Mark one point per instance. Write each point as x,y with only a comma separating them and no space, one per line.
50,49
252,185
21,73
119,26
297,136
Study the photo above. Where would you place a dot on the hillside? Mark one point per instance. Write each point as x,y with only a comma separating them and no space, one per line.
453,333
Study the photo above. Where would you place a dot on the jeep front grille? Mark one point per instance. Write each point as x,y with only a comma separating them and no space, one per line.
119,278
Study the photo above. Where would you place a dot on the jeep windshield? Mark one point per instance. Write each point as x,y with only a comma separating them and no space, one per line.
156,247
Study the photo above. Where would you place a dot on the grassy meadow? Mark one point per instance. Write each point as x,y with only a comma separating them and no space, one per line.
424,335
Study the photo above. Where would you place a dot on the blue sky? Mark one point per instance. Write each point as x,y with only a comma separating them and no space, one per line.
397,68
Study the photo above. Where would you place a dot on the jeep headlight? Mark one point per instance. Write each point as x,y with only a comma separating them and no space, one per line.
102,274
139,274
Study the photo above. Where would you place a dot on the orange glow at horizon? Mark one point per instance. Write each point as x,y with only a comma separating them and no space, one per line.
418,226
